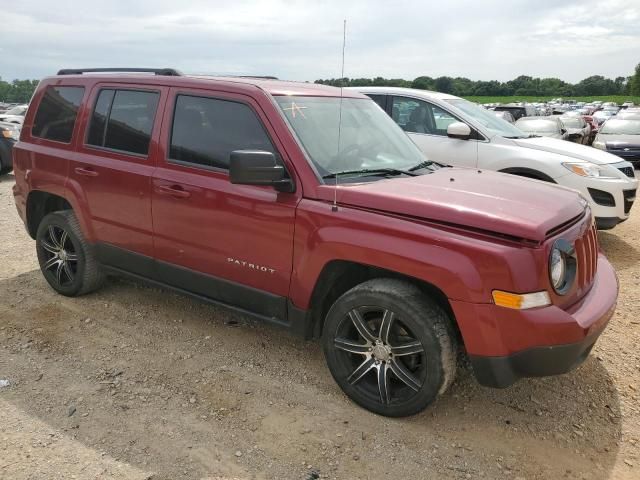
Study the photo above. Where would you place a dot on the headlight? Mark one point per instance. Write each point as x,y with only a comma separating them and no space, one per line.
557,268
599,145
562,266
591,170
12,133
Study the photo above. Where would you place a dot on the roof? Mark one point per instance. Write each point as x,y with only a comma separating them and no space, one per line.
415,92
271,86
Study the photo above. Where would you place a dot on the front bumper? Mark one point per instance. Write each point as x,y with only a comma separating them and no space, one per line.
505,345
608,199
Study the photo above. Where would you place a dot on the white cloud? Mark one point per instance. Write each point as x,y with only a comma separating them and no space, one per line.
294,39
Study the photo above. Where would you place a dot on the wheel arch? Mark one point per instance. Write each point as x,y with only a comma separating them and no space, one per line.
339,276
39,205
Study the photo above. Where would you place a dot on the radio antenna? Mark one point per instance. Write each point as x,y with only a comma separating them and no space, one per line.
334,208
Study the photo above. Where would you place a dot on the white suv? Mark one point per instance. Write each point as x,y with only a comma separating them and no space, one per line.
454,131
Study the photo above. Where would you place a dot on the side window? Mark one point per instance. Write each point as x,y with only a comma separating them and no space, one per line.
412,115
206,130
57,112
381,100
441,120
123,120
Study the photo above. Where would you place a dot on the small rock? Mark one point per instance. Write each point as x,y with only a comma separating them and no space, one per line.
39,377
71,411
238,453
192,400
4,383
628,462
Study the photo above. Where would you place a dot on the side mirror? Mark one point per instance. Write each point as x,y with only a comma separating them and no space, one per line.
563,131
257,167
459,130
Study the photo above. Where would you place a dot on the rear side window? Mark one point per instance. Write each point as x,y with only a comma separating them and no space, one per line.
123,120
206,130
57,112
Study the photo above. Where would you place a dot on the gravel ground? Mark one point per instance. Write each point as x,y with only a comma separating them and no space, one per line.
135,382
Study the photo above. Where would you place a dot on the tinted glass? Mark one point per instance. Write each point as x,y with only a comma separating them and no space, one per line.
379,99
417,116
57,113
205,131
131,121
98,126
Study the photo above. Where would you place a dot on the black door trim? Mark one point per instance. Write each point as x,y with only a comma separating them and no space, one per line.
243,299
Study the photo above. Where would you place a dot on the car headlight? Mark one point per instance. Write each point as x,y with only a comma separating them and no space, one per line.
599,145
591,170
562,266
12,133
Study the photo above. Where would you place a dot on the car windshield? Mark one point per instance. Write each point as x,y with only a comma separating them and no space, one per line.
537,126
573,122
486,118
16,111
357,136
621,127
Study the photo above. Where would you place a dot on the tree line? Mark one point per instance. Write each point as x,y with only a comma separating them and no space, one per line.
20,91
523,85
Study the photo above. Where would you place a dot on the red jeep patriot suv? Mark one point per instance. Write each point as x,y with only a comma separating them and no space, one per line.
314,211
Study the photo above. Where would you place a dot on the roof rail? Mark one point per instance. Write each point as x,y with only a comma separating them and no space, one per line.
263,77
171,72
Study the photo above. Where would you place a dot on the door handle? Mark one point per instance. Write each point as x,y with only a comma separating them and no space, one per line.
174,191
87,172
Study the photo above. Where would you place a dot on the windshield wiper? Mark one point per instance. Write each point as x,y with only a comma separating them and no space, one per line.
421,165
371,172
533,135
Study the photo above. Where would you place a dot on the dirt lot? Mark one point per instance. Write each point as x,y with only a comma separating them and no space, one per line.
135,382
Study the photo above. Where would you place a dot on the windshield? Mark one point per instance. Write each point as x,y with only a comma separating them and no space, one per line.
573,122
621,127
369,138
538,126
16,111
486,118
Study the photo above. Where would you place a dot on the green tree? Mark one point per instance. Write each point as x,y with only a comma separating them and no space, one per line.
634,82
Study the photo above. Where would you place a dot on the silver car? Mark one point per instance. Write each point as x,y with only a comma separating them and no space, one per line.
551,127
620,137
579,131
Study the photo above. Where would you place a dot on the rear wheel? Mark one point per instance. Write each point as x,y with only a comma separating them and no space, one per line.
66,259
389,347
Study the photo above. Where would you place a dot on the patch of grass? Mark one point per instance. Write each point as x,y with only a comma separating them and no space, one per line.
619,99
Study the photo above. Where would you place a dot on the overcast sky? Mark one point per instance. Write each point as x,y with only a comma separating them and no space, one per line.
302,40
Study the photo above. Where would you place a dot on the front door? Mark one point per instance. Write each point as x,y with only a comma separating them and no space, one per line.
426,124
232,243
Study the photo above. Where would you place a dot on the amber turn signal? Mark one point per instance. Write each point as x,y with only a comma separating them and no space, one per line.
521,301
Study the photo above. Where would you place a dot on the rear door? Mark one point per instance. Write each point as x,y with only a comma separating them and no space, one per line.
112,171
426,124
233,243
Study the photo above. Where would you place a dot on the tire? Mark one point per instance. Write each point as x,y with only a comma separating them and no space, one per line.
66,260
398,373
6,164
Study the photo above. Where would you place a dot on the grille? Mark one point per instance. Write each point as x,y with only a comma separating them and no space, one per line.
587,256
622,147
629,198
628,171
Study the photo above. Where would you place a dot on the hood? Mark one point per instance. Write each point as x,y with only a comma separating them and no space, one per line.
569,149
620,140
483,200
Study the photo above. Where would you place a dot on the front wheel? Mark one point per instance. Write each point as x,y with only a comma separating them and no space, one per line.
389,347
66,259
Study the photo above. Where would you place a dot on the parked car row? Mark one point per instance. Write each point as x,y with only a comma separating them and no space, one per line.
454,131
310,207
14,114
